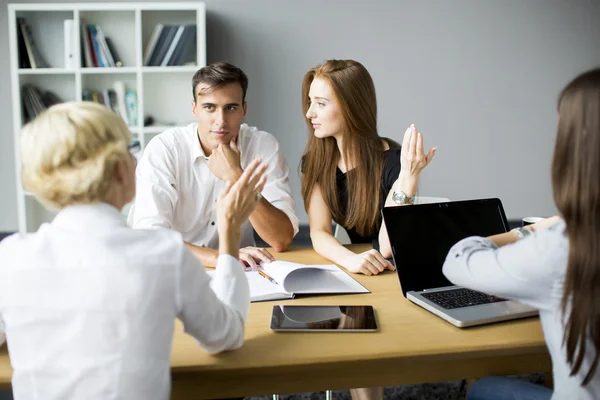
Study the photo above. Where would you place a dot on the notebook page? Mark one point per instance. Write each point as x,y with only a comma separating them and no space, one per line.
306,279
261,289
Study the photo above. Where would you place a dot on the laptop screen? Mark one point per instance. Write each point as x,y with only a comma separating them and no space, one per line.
421,236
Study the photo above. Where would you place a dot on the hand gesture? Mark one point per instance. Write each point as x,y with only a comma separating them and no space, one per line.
224,162
238,200
370,262
412,156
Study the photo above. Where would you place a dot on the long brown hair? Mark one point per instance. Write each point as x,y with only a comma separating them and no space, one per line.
355,92
576,189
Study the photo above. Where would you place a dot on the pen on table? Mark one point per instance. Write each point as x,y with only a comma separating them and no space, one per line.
261,273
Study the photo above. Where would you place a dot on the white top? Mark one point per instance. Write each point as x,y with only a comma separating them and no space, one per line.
531,271
89,306
177,190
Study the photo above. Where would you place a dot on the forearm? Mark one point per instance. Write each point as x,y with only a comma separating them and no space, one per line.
408,185
272,225
385,248
326,245
208,257
503,239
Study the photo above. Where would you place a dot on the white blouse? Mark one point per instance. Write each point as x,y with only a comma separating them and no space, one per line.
531,271
88,305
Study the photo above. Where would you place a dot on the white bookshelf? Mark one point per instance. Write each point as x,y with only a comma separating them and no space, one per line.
162,92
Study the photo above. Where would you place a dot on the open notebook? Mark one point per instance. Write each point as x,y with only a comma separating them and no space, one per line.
293,278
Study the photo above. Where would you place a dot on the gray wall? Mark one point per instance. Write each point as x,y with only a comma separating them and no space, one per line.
479,78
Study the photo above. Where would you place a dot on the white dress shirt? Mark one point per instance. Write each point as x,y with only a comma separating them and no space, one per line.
531,271
177,190
89,306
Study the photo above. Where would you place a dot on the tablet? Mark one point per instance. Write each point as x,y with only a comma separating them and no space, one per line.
323,319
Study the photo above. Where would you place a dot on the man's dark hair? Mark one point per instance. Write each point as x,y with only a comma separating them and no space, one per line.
220,74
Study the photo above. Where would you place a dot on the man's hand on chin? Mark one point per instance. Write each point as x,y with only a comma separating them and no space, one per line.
224,162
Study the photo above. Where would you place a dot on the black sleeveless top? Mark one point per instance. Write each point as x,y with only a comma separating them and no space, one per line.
391,170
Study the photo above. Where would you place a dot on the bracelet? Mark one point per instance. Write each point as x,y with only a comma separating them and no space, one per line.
522,233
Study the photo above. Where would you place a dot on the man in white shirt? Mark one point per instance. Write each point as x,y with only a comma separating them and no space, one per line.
183,169
87,303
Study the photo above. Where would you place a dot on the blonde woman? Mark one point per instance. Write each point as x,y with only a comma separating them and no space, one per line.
87,303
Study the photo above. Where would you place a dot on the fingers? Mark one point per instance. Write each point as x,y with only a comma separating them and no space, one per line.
430,155
380,262
258,254
405,141
390,266
261,183
419,149
412,148
369,269
258,175
248,172
248,260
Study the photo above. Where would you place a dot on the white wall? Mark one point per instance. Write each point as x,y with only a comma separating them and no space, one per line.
479,78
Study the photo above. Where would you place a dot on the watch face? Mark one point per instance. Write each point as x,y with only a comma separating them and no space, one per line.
402,198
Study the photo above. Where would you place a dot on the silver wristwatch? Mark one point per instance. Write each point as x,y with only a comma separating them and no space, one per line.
522,233
402,198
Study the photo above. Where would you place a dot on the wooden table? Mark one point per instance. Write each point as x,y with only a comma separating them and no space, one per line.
412,346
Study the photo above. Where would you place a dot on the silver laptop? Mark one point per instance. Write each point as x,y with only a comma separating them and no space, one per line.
421,236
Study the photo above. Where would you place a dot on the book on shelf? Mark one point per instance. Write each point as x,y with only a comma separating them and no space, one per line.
98,50
110,62
131,106
170,45
120,91
152,43
119,99
285,280
34,57
185,47
86,53
35,101
113,51
22,49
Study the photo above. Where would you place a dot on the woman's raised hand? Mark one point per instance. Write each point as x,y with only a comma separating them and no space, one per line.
412,156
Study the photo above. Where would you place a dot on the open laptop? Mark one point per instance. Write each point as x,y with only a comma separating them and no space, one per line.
421,236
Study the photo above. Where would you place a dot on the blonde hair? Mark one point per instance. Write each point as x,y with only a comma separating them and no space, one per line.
69,154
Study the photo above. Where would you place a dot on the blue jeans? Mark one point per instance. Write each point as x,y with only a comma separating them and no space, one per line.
502,388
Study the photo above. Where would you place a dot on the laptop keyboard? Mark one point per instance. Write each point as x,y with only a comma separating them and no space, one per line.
458,298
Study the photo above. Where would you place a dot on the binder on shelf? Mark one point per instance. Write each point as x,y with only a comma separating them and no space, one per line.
164,41
172,46
185,46
70,43
151,46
